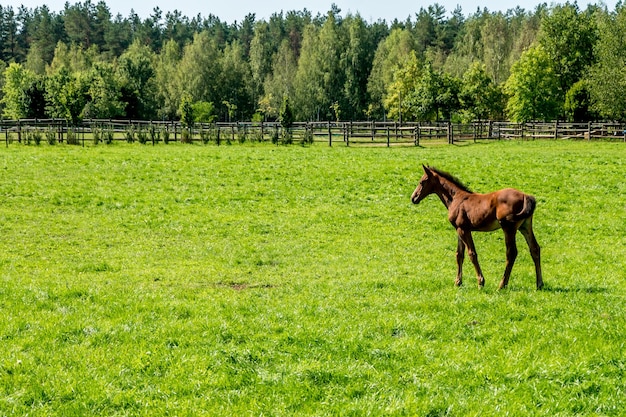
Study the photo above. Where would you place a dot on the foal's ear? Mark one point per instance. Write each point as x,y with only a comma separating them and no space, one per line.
426,170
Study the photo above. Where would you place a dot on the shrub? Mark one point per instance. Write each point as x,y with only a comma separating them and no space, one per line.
129,134
275,136
72,137
205,135
256,136
242,134
155,133
307,139
107,135
97,135
51,136
286,137
142,136
185,136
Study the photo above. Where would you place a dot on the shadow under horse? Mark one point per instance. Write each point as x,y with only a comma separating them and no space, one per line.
508,209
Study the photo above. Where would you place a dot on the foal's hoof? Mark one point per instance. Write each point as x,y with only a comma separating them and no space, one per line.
458,283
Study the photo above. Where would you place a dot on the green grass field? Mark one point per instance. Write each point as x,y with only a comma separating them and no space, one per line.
259,280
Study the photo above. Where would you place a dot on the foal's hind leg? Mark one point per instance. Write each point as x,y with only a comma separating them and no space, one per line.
511,254
535,251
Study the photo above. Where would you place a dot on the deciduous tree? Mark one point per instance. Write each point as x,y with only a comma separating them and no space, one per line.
533,87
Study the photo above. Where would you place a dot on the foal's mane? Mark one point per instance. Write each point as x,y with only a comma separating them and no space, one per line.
451,178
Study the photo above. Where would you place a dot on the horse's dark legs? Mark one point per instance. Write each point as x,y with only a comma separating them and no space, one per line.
511,255
466,238
535,251
460,256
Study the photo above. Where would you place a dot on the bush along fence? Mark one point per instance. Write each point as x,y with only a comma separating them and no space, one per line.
52,131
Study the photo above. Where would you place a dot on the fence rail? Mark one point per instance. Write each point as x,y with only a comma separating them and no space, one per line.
344,133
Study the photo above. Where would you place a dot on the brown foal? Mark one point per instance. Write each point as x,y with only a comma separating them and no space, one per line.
508,209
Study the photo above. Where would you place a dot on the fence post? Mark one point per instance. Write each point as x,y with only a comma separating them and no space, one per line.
262,132
450,134
419,132
556,129
330,135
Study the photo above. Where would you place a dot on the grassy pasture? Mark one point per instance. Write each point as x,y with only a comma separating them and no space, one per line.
260,280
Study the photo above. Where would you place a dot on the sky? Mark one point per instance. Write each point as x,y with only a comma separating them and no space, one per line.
235,10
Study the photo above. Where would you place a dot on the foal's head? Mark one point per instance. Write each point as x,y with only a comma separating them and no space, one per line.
425,187
435,181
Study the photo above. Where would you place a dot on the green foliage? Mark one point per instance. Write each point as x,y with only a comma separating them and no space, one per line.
71,136
51,136
406,81
138,83
280,82
479,97
105,93
242,134
96,135
130,134
607,78
15,100
435,96
205,135
186,111
203,112
304,282
66,95
32,136
165,134
142,135
533,87
391,54
577,105
199,70
286,117
186,135
88,64
155,133
568,36
236,83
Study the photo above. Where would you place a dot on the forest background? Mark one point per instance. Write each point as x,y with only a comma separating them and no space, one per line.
554,62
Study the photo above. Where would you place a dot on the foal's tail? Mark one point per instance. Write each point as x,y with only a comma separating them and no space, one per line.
529,207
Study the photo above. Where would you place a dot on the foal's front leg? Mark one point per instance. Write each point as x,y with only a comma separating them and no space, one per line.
466,238
460,257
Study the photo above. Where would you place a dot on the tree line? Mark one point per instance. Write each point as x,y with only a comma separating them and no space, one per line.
554,62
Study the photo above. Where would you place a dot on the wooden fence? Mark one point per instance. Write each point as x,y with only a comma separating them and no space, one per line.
333,133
